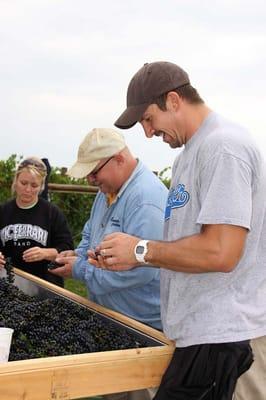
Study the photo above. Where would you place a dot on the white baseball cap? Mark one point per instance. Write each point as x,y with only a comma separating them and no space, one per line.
97,144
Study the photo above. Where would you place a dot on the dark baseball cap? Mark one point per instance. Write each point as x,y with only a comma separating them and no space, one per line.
151,81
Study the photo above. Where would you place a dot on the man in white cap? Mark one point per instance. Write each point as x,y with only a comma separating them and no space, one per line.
131,199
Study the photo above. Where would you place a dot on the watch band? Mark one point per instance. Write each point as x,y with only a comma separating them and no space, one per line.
141,250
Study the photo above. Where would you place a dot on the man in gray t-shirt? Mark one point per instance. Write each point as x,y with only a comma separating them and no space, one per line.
212,260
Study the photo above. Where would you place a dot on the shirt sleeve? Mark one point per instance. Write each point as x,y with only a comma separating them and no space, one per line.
101,282
225,187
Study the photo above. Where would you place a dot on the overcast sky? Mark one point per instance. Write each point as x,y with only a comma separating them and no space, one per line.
65,66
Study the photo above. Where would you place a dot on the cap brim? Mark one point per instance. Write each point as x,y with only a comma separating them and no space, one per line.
81,170
131,116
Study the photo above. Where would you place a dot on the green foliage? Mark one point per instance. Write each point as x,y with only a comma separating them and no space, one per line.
164,176
75,206
7,171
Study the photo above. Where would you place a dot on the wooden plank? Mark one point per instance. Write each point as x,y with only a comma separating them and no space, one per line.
76,376
67,188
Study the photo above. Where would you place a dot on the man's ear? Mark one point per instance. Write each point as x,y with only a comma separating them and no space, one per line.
173,101
119,158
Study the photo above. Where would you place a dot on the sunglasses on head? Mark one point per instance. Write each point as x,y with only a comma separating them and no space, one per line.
32,163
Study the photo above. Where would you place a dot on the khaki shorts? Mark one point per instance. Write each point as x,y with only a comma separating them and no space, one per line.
252,384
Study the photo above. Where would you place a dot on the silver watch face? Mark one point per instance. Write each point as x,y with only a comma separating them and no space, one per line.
140,249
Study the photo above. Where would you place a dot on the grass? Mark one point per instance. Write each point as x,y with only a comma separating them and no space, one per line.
76,287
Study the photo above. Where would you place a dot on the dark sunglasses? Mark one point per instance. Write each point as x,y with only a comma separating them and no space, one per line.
29,162
94,173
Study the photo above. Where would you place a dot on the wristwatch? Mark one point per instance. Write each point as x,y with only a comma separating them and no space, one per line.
141,250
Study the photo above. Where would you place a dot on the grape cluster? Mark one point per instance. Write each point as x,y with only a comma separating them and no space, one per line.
57,326
9,270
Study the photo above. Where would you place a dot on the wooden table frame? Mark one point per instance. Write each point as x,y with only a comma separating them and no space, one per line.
81,375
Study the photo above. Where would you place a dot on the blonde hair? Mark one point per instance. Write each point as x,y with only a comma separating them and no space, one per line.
35,166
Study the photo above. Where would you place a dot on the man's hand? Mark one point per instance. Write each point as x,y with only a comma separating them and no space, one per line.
116,252
67,264
95,258
67,253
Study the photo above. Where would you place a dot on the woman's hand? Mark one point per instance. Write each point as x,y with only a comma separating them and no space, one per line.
38,254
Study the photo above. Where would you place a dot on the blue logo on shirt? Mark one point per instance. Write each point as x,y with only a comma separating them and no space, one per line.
115,222
177,198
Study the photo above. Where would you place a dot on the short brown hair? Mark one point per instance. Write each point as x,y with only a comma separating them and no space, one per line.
187,92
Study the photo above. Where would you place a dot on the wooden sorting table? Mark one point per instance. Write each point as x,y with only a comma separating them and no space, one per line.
85,375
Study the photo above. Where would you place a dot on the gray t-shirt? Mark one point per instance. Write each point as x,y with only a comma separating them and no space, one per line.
219,178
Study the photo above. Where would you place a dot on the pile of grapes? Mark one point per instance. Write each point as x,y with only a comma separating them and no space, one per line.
56,326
